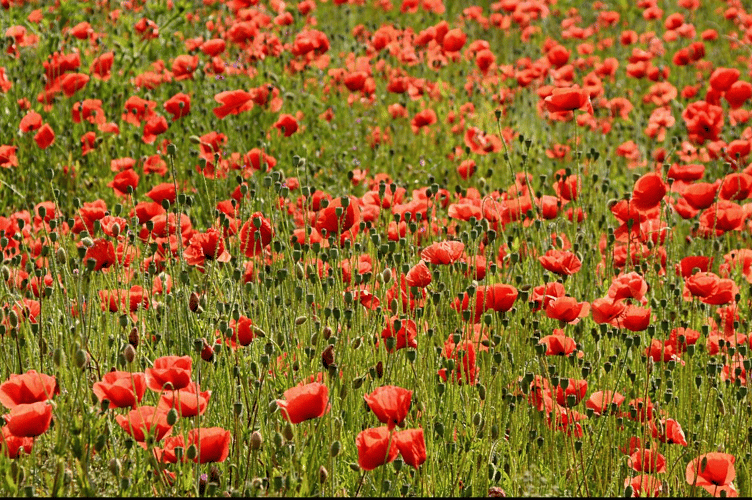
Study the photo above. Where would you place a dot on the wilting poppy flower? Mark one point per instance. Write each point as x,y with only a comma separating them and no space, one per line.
27,388
714,472
188,401
170,373
558,344
443,252
304,402
121,389
11,445
644,485
30,420
213,444
411,444
390,404
287,124
143,421
561,262
255,234
376,447
648,192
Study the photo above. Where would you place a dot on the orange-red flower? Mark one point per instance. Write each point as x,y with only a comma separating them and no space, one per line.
121,389
376,447
170,373
255,234
304,402
213,444
443,252
390,404
29,387
29,420
561,262
714,472
411,444
232,102
143,421
188,401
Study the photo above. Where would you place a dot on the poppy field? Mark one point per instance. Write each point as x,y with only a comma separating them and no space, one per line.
375,248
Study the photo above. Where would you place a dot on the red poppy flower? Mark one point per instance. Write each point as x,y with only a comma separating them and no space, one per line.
8,157
607,310
405,331
635,318
640,410
419,275
29,420
143,421
327,218
714,472
704,121
573,394
213,47
649,461
376,447
463,354
154,126
390,404
172,370
305,402
566,99
30,122
209,245
232,102
738,94
255,235
11,445
45,136
411,444
648,192
102,252
287,124
498,297
423,119
668,431
124,180
723,78
27,388
178,105
567,309
542,295
601,402
73,82
188,401
101,66
242,333
121,389
213,444
454,40
138,110
721,217
560,262
558,344
644,485
443,252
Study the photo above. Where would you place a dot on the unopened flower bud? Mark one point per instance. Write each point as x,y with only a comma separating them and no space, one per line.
129,353
87,242
288,432
323,474
172,417
115,467
81,358
256,440
386,275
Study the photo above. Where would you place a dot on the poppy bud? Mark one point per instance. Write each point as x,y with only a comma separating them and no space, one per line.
256,439
300,320
191,452
129,353
81,359
60,256
323,474
327,357
58,357
172,417
288,433
335,449
193,303
237,408
87,242
277,440
386,275
115,467
133,337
